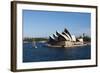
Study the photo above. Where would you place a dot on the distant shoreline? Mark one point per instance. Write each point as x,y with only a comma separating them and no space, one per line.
56,46
29,40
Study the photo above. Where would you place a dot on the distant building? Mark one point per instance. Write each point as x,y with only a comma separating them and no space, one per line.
64,39
80,39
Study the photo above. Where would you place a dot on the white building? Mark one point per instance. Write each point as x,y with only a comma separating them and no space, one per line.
64,39
73,38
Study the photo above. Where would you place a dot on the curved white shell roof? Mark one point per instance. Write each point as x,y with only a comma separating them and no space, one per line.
64,35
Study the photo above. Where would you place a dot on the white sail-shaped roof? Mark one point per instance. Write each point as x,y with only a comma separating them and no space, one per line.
73,38
55,37
64,36
67,35
66,31
60,36
67,39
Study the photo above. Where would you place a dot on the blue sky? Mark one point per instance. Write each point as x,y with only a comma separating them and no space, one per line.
45,23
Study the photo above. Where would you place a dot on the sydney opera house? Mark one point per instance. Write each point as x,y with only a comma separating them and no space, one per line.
64,39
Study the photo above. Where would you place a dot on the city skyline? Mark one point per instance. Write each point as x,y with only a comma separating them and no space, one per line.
46,23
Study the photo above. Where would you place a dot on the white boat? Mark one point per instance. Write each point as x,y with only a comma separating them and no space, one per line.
34,44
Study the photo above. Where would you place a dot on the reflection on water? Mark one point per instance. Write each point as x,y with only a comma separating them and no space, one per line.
42,53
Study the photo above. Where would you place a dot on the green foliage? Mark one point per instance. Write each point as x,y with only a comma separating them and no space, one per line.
86,39
39,39
35,39
28,39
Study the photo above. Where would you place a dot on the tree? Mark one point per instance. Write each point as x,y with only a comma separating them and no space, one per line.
86,39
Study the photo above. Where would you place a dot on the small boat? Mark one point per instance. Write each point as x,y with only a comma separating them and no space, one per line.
34,44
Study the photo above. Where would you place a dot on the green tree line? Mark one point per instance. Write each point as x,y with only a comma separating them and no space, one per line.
34,39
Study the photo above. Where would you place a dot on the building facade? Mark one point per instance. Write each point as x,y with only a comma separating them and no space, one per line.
64,39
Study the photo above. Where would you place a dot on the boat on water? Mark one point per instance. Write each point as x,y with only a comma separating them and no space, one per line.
34,44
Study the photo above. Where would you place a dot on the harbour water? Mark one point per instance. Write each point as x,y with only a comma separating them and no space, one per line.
43,53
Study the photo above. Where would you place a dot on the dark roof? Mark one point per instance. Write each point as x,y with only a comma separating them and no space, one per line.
66,31
60,37
55,37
